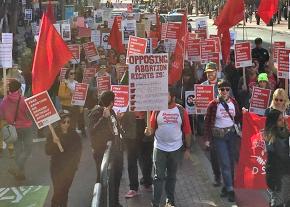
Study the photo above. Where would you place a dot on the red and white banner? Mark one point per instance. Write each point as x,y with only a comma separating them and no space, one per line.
206,47
276,46
215,57
62,74
193,49
204,95
283,63
172,30
76,52
201,33
243,57
136,46
260,100
89,73
163,30
217,43
80,94
42,109
103,83
91,52
121,98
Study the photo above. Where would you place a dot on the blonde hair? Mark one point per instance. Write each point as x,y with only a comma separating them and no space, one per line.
280,92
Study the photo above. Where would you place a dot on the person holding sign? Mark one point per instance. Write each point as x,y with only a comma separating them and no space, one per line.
223,115
15,112
63,165
261,54
280,101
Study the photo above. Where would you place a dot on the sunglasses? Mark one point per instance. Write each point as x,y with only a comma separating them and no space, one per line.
280,100
224,89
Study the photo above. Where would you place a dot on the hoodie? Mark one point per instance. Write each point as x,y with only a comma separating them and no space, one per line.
8,110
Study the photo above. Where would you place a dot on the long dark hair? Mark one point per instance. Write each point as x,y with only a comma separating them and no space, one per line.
271,127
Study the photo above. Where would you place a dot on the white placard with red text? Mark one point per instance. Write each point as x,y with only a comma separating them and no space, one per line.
243,57
283,63
260,100
275,48
80,94
204,95
148,82
103,83
42,109
91,51
121,98
89,73
75,50
206,47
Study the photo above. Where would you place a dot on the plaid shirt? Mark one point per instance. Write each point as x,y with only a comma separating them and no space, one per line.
211,116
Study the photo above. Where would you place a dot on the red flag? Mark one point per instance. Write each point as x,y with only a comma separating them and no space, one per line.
49,12
158,26
115,38
250,172
50,55
175,71
231,14
267,9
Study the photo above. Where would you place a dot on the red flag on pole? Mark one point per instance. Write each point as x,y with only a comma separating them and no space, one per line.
115,38
267,9
50,55
158,26
49,12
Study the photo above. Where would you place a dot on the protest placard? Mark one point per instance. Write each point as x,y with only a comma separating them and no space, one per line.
136,45
128,28
243,57
7,38
28,14
98,16
283,63
233,37
103,83
56,26
89,73
5,55
260,100
148,82
84,32
204,95
91,52
206,47
121,98
193,49
190,102
66,32
105,40
80,94
215,57
129,8
149,47
75,50
120,70
201,23
275,48
172,30
163,30
107,14
201,33
62,74
42,109
96,37
169,45
217,43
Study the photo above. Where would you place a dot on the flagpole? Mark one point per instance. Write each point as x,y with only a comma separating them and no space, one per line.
272,34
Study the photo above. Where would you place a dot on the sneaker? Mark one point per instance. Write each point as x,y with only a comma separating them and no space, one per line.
131,194
169,204
231,196
224,192
148,188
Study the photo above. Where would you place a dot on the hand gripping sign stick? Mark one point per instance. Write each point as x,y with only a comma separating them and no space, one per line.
55,138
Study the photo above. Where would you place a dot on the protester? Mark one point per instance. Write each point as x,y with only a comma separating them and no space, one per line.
168,126
63,165
280,101
221,116
104,127
260,54
14,111
263,81
276,135
272,77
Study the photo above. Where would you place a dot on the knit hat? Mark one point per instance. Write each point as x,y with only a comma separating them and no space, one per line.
263,77
210,67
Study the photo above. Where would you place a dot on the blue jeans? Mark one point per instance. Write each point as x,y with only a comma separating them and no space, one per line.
165,163
226,149
23,146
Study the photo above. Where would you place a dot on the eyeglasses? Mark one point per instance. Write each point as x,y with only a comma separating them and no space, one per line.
224,89
280,100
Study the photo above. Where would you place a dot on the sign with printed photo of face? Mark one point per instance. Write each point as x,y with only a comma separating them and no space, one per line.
128,28
66,32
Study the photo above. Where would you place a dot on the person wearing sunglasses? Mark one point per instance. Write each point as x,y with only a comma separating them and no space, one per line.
222,115
63,165
280,101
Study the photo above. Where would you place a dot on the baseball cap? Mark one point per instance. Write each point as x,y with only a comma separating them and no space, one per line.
210,67
263,77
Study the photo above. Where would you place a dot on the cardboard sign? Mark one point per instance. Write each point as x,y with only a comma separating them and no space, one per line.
283,63
204,95
66,32
80,94
105,40
89,73
128,28
193,49
136,46
7,38
91,52
96,37
148,82
243,57
75,50
62,74
103,83
215,57
260,100
170,45
121,98
201,23
206,47
42,109
28,14
172,30
275,48
201,33
5,55
190,102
